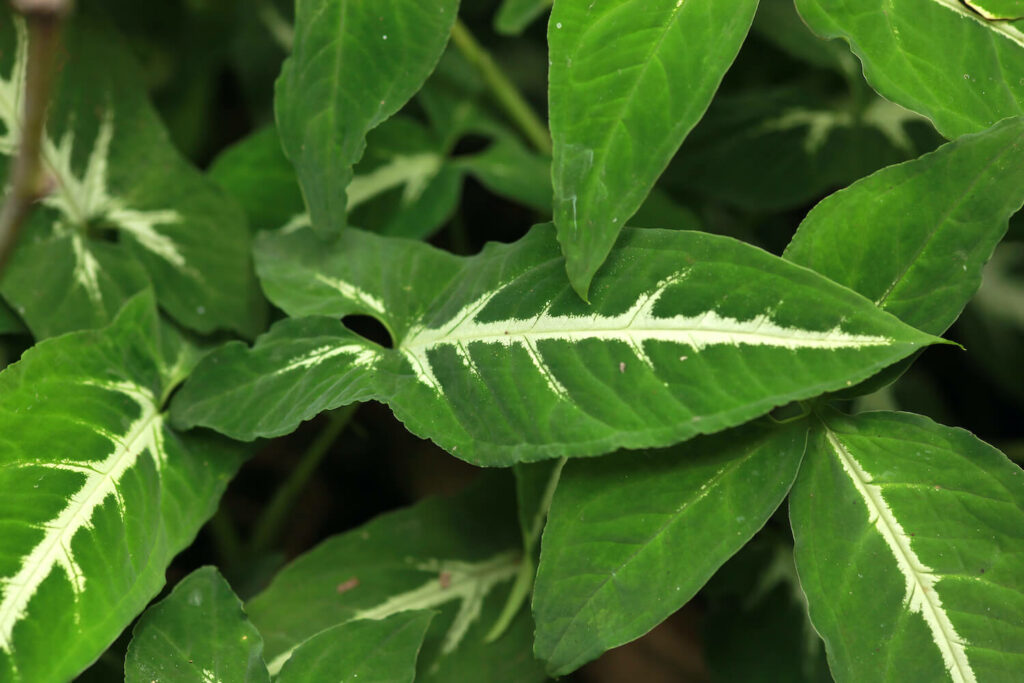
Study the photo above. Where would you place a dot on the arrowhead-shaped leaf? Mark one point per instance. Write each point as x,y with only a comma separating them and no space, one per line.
456,556
498,361
937,57
99,493
628,80
117,175
914,237
354,64
909,548
633,537
380,651
197,634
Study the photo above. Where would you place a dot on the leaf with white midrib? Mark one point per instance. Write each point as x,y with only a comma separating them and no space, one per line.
910,533
95,507
498,361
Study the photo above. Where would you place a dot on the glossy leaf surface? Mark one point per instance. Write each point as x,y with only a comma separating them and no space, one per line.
498,361
117,179
379,651
456,556
197,634
354,64
628,80
631,538
909,534
937,57
914,237
100,493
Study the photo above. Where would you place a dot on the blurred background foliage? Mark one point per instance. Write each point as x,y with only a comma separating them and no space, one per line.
793,121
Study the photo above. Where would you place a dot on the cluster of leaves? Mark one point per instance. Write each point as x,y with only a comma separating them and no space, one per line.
144,288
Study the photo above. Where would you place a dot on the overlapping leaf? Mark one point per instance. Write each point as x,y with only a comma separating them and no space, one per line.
354,64
631,538
378,650
913,238
197,634
937,57
910,548
770,149
498,361
117,176
628,80
456,556
99,492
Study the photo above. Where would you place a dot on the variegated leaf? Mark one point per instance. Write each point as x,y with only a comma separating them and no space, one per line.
498,361
117,178
454,556
909,548
99,492
940,58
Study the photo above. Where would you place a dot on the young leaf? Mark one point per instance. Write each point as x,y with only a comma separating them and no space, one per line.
454,555
936,57
914,237
100,493
354,64
628,80
909,548
199,633
631,537
498,361
515,15
381,651
116,175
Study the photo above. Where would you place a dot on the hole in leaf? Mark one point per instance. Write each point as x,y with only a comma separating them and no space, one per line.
370,328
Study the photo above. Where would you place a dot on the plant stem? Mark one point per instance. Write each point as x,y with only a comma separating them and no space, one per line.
269,525
225,538
513,102
27,181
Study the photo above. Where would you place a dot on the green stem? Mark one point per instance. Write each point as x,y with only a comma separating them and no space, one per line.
523,584
504,91
270,523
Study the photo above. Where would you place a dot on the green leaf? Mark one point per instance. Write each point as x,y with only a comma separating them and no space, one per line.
354,64
199,633
813,143
628,80
778,22
258,175
936,57
632,537
454,555
508,169
498,361
117,175
100,493
380,651
909,535
913,238
515,15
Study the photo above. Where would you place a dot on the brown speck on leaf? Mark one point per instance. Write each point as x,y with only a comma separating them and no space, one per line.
445,579
622,367
983,570
347,585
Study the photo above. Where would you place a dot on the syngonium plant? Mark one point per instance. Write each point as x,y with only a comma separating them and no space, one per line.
657,393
